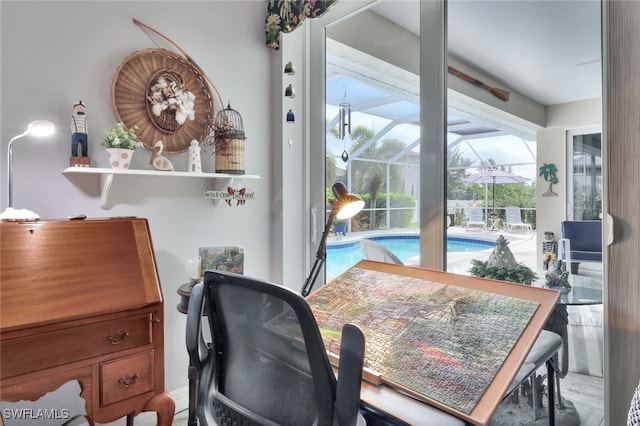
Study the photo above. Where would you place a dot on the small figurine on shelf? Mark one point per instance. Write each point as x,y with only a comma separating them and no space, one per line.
158,161
195,165
79,129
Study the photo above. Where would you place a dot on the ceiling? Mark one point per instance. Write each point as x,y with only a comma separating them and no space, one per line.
549,51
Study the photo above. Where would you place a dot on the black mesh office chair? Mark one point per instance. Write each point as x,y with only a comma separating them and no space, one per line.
266,363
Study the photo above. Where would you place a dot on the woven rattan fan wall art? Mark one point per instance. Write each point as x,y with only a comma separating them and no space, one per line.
138,85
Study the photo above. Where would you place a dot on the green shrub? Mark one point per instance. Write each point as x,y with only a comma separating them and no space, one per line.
398,218
521,274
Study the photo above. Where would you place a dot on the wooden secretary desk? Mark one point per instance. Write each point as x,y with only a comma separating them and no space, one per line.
81,300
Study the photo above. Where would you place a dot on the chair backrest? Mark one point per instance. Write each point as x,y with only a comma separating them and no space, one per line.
585,235
267,364
633,416
475,214
513,214
375,251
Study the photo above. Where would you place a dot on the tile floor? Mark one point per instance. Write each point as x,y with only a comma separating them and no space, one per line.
587,394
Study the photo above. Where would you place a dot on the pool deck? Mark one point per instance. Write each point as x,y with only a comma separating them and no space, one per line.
523,245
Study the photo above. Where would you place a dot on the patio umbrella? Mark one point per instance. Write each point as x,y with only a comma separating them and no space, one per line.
494,177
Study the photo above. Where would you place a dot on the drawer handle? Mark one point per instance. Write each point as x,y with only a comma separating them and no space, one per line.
116,340
129,381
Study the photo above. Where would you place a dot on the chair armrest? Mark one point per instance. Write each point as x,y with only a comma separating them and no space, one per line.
349,375
196,347
564,249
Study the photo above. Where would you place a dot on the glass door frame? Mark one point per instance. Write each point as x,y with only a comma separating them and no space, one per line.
433,116
570,202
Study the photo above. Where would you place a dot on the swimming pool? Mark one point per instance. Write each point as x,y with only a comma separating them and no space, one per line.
341,256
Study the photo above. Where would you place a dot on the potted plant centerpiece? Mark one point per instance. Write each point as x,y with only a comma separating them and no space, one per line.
121,144
501,265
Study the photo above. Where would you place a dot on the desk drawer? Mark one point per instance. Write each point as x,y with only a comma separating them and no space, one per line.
39,351
126,377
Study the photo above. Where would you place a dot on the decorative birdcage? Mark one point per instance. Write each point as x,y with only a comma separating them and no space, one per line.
227,140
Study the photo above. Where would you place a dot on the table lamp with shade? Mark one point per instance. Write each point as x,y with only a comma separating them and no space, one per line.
39,128
345,206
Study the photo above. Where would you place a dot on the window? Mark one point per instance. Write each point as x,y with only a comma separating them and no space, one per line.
585,179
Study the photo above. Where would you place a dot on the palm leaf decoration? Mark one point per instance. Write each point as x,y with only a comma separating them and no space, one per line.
548,173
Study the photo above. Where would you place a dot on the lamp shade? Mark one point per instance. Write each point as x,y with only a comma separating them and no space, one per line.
41,128
346,205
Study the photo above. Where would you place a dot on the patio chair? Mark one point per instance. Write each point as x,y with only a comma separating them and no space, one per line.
514,220
581,242
374,251
475,219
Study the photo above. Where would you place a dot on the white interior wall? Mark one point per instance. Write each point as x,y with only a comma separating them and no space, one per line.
551,148
574,115
289,228
57,52
550,210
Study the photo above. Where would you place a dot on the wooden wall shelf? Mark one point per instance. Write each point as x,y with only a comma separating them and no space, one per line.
107,176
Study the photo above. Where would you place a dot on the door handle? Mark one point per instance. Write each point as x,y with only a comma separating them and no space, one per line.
608,222
314,223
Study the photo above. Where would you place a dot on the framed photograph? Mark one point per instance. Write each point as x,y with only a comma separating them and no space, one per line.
222,259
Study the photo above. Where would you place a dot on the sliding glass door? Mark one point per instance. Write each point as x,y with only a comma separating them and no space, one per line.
372,131
382,61
584,166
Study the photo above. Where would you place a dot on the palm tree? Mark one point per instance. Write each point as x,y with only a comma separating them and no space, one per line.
361,171
388,148
548,172
456,171
371,176
360,135
376,181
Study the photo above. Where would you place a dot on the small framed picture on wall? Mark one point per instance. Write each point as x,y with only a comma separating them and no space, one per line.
222,259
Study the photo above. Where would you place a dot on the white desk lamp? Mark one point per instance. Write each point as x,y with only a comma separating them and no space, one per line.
37,128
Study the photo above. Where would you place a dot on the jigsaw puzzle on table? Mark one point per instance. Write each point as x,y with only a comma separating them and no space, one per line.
442,341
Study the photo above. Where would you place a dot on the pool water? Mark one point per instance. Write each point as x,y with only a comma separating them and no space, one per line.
342,256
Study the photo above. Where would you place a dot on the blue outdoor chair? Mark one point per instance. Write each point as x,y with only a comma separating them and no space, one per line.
581,242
